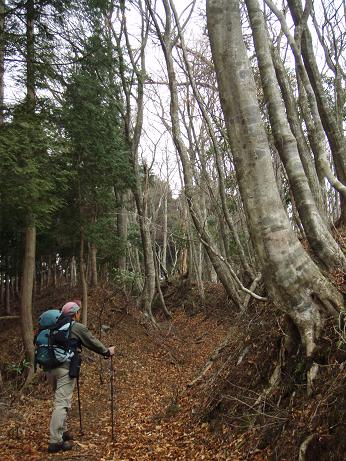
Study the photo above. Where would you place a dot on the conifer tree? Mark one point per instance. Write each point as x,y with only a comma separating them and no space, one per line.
30,176
94,130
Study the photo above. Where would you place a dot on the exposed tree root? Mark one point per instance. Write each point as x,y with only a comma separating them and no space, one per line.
275,377
211,360
252,290
274,381
310,376
305,446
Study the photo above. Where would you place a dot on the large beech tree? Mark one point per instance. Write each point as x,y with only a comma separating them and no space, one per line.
317,232
293,280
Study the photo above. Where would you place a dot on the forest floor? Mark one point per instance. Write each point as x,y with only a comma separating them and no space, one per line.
153,411
230,414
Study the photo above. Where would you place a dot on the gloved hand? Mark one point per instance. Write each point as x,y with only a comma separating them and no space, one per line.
111,350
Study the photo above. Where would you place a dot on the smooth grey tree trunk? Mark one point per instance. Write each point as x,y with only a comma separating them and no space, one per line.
73,270
122,222
297,130
322,163
293,280
330,124
317,232
306,116
165,231
148,293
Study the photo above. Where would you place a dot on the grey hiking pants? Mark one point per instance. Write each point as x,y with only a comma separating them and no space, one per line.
63,386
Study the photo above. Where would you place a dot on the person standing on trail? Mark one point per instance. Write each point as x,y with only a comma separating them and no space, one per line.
63,384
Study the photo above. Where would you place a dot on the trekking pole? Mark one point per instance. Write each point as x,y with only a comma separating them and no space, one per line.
79,409
112,396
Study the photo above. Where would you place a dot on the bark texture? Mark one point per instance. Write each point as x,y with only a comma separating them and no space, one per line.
28,274
122,222
317,232
330,124
297,130
93,262
26,295
293,280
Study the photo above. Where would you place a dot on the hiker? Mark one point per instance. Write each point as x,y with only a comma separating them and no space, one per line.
63,384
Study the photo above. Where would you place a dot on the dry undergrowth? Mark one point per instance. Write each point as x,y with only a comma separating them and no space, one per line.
255,415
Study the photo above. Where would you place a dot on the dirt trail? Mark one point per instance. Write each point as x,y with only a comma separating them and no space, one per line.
153,409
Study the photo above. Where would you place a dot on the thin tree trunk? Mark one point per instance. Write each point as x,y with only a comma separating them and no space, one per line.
167,47
49,272
310,128
12,284
2,72
183,254
40,275
84,282
293,118
55,275
30,53
133,138
293,280
322,163
73,271
2,288
28,274
331,127
93,263
7,295
218,156
17,285
165,233
159,291
149,263
26,296
122,224
136,268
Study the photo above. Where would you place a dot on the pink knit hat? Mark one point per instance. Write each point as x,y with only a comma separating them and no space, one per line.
70,308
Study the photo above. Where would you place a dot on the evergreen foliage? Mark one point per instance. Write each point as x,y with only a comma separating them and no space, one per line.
93,130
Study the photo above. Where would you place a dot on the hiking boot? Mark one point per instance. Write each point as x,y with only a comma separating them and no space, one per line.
67,436
62,446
